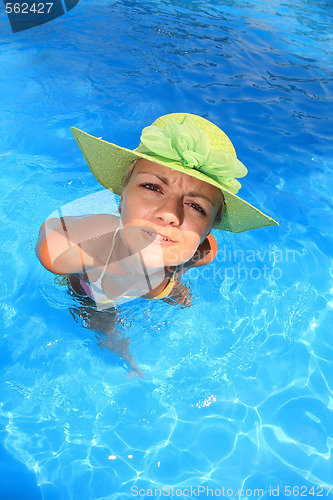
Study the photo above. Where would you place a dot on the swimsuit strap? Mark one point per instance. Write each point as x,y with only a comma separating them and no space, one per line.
166,291
110,255
173,277
95,290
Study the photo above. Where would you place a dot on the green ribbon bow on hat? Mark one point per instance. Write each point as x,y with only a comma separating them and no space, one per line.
187,144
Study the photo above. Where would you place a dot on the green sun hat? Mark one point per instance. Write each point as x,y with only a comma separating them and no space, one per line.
188,144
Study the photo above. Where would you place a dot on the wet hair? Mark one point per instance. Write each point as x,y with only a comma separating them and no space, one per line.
218,216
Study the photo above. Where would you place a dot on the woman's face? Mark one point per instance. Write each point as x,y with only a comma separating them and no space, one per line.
166,214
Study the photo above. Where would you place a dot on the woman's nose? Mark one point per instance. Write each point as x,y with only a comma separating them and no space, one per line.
170,210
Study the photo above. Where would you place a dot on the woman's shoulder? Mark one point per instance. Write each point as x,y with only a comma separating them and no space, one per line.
93,229
109,222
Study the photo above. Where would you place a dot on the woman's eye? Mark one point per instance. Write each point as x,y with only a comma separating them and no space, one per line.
151,187
198,208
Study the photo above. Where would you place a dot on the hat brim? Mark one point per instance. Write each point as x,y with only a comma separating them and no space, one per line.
108,163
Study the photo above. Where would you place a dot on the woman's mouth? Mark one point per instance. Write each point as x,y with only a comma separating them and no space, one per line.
157,237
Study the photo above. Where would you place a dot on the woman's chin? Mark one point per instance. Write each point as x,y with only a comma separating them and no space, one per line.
153,259
156,258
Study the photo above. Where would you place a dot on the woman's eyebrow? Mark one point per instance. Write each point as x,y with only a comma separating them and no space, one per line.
200,194
159,176
193,194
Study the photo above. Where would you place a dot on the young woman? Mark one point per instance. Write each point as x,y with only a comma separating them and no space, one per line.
175,187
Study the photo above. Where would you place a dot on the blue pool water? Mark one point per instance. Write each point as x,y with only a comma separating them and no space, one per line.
238,391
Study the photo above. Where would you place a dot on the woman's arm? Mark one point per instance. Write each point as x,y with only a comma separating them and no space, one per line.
72,244
206,251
